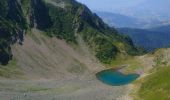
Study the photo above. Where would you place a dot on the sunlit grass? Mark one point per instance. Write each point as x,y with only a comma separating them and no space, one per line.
156,86
10,70
129,64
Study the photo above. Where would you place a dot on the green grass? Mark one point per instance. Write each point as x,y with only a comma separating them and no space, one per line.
10,70
132,64
156,86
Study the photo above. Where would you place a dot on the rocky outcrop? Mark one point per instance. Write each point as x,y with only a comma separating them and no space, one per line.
12,26
39,15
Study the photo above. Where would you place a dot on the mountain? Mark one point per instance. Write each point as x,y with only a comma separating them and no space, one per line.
150,39
163,28
143,9
148,9
62,19
118,20
121,21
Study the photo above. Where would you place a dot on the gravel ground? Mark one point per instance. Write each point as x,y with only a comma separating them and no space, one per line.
75,89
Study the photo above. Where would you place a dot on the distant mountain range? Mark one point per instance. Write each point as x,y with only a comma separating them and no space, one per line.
120,21
164,28
148,9
150,39
149,34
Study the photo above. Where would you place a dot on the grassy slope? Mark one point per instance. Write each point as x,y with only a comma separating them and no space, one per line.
155,86
11,70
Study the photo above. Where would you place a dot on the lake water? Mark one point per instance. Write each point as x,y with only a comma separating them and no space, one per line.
115,78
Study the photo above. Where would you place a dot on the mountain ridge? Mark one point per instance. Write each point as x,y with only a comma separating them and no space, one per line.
122,21
150,39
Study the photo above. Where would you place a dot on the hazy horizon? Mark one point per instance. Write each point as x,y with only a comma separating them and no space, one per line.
110,5
156,9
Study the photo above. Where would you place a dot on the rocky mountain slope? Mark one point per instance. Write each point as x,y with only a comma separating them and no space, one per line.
64,20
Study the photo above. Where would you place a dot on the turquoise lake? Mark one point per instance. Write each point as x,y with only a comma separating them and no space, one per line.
116,78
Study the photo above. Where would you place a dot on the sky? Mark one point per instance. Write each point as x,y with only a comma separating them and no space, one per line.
110,5
156,9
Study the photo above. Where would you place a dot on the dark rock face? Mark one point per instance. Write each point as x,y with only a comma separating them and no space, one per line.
5,49
15,13
12,26
5,55
39,16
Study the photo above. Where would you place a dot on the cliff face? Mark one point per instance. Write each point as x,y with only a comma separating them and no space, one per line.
39,15
12,26
64,19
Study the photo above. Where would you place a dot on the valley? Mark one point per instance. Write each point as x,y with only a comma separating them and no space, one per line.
53,50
